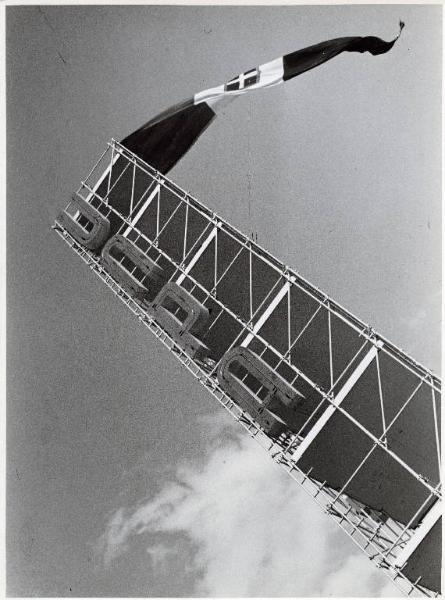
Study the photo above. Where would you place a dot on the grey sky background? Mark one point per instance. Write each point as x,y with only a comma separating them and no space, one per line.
338,172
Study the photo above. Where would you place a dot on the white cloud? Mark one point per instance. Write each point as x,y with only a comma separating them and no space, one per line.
367,582
254,531
159,554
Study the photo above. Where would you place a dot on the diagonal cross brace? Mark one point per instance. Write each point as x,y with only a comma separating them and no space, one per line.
352,380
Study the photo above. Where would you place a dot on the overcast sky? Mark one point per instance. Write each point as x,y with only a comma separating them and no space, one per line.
124,477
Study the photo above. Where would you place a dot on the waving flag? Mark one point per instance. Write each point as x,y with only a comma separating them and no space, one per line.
165,139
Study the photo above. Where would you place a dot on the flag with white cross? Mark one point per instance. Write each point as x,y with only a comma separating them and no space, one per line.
166,138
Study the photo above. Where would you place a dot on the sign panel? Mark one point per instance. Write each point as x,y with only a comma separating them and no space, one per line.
347,408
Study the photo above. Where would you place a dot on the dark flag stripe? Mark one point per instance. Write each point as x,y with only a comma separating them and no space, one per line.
303,60
167,137
164,140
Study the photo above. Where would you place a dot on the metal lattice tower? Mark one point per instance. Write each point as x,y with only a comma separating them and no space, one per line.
361,434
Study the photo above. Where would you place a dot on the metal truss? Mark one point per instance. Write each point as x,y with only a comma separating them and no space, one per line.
340,364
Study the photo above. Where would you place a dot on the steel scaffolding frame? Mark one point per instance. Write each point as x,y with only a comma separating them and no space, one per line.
386,542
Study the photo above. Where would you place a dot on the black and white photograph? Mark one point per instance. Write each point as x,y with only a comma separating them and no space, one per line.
223,284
